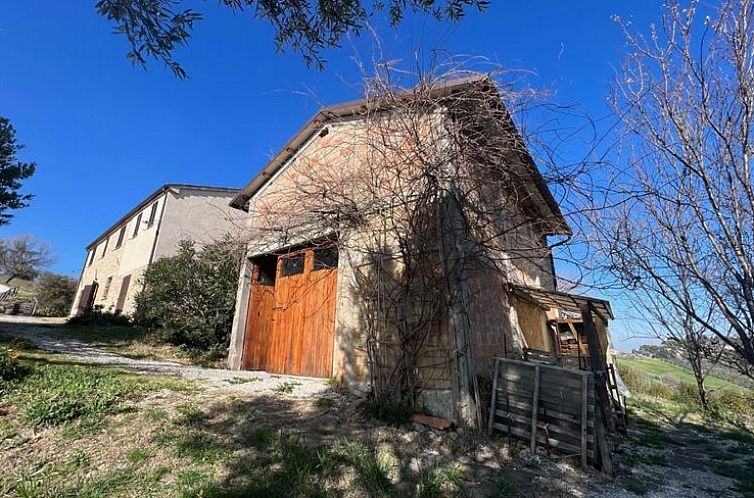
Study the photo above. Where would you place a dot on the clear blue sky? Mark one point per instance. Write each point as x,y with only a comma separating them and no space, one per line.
105,134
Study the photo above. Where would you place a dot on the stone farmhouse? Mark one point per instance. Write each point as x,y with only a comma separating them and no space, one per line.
302,308
151,230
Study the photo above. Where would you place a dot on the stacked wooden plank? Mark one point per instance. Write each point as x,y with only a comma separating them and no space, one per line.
545,405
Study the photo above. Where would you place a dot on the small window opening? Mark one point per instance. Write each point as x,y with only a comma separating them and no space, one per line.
266,269
292,265
152,214
325,258
137,225
121,236
106,290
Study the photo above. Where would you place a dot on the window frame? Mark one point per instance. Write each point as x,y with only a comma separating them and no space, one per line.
328,249
136,226
298,256
106,289
152,215
121,236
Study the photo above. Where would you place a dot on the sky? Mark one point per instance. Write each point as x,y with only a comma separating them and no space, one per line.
105,134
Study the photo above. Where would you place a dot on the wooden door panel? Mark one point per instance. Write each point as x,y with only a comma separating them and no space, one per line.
290,326
319,324
258,323
289,293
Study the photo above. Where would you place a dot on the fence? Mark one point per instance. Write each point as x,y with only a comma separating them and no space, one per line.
548,406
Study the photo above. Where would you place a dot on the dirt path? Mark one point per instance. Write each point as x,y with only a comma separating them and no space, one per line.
38,331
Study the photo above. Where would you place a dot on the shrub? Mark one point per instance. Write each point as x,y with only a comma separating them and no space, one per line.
191,297
658,390
687,393
9,367
99,318
727,402
632,377
55,294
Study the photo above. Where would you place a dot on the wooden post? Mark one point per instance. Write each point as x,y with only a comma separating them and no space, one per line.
599,368
493,396
584,417
603,420
535,409
453,242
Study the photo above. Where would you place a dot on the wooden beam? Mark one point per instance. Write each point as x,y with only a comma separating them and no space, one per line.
584,419
535,409
491,414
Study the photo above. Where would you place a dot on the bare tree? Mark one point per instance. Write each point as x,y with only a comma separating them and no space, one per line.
680,229
678,327
424,189
23,257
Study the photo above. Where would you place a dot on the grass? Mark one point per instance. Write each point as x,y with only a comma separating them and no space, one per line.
286,387
656,369
439,482
49,392
27,289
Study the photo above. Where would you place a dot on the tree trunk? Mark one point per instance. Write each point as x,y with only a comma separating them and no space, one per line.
453,250
11,277
696,367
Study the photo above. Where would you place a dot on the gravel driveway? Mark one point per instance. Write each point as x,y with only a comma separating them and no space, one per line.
41,332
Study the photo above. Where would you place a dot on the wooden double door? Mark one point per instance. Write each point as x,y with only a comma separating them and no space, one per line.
290,323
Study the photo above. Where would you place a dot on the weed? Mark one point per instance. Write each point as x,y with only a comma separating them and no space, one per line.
21,344
139,455
286,387
197,446
155,414
503,488
55,394
262,437
78,460
189,415
432,483
325,402
337,384
9,367
372,467
193,483
243,380
390,413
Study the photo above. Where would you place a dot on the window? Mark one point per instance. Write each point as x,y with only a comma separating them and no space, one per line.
152,214
266,268
121,236
292,265
91,256
137,225
104,248
325,258
106,290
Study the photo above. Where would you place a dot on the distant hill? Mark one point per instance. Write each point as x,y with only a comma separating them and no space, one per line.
670,354
26,288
